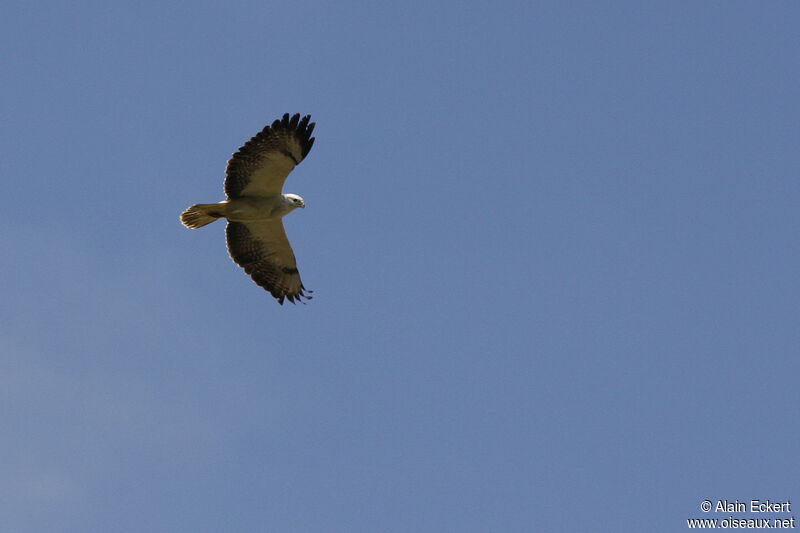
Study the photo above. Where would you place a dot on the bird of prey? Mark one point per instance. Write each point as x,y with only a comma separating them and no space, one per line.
255,206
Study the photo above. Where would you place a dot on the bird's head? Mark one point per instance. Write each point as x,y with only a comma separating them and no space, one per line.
294,200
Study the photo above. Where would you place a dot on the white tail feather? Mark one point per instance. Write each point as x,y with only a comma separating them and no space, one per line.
199,215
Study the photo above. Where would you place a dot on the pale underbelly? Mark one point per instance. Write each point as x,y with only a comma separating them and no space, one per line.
261,208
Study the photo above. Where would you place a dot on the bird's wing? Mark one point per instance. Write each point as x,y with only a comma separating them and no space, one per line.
261,166
263,251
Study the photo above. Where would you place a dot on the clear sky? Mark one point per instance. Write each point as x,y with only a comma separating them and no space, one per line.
554,249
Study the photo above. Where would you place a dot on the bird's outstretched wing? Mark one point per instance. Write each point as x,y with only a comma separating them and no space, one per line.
263,251
261,166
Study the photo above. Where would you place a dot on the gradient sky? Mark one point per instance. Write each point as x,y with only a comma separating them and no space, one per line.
554,249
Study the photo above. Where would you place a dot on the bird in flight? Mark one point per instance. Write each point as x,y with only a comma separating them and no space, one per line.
255,206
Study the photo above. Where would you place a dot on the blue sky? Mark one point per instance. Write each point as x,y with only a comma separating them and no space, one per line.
553,247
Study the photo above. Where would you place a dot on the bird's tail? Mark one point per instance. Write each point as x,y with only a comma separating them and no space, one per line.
199,215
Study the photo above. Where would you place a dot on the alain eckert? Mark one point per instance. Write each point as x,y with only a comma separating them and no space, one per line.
755,506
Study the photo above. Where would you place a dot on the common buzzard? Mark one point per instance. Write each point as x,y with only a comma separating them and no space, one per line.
255,206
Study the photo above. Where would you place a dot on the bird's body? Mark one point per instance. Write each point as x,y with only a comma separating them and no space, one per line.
248,208
255,206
